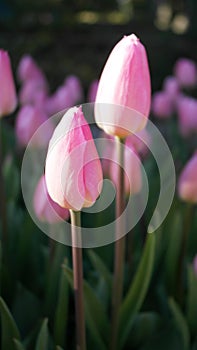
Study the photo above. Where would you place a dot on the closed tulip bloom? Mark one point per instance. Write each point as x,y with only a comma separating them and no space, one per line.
187,184
125,81
8,98
162,106
28,120
73,170
185,71
30,90
187,115
92,91
45,208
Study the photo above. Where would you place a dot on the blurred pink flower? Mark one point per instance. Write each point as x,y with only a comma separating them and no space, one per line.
185,71
162,106
8,98
187,183
140,142
172,88
187,115
125,81
92,91
73,84
195,264
28,120
73,170
28,70
45,208
31,91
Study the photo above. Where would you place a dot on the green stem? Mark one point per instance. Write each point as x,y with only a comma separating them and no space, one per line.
78,279
119,247
183,251
3,210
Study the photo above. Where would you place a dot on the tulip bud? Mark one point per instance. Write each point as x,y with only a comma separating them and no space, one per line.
185,71
162,106
172,88
74,87
73,170
8,98
28,70
92,91
28,120
125,82
187,115
45,208
187,184
30,91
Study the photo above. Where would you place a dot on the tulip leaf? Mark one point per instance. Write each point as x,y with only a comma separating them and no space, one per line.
192,300
9,329
180,323
61,314
42,340
95,315
138,289
18,345
99,266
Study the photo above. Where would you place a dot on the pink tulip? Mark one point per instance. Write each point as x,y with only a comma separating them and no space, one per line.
30,91
73,170
125,81
29,70
172,88
29,119
93,91
187,184
195,264
185,71
162,106
8,98
74,86
133,178
45,208
187,115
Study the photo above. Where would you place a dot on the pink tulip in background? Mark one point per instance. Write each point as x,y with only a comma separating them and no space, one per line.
30,91
162,106
45,208
28,120
187,184
28,70
172,88
73,170
185,71
187,115
73,84
125,81
8,98
140,142
92,91
195,264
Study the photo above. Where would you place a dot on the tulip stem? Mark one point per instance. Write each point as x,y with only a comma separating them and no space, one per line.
2,190
78,279
119,246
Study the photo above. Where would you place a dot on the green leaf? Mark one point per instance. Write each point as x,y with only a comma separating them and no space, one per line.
61,315
192,300
100,266
180,323
137,291
18,345
9,328
95,315
42,340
